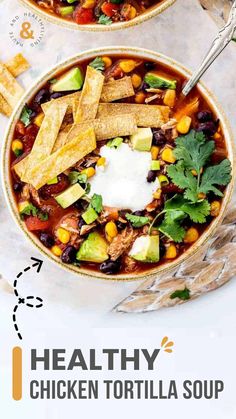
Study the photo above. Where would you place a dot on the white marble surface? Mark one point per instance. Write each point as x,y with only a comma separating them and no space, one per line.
183,32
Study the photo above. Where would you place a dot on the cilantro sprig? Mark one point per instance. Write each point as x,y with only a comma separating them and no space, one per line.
26,115
96,203
98,64
193,152
30,209
137,221
104,20
181,294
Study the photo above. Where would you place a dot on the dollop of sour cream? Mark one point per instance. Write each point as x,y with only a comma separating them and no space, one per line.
122,183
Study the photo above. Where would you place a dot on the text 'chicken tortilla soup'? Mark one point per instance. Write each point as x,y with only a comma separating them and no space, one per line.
96,11
113,170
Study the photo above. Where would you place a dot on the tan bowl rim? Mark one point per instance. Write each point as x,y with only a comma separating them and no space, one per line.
6,172
150,13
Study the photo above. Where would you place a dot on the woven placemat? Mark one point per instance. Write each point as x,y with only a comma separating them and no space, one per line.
207,270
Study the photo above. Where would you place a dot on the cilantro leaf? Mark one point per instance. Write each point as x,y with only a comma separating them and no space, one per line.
75,177
158,82
29,210
104,20
172,229
18,152
193,150
136,220
181,294
184,179
219,174
197,212
98,64
115,143
96,203
43,216
26,115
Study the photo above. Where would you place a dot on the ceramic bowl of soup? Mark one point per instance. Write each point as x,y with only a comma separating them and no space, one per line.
98,15
110,172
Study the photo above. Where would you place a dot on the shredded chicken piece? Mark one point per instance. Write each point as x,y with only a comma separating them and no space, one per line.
169,125
25,194
75,240
35,196
85,229
130,264
122,242
151,98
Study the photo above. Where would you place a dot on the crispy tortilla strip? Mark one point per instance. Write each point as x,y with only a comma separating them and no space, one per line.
70,100
107,128
9,88
20,167
117,89
5,108
61,139
17,65
153,116
62,159
46,137
90,96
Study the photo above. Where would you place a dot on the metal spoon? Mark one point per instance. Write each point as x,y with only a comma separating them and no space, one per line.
223,38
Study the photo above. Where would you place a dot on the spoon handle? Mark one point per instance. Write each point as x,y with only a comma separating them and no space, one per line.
223,38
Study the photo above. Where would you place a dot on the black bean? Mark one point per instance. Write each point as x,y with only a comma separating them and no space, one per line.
120,225
151,177
56,95
81,204
69,254
208,128
149,65
110,267
158,137
139,213
81,222
47,239
17,187
162,250
42,96
204,116
123,212
145,86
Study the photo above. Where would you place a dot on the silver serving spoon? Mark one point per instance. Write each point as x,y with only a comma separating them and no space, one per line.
223,38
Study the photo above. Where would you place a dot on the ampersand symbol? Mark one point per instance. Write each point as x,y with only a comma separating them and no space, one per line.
25,33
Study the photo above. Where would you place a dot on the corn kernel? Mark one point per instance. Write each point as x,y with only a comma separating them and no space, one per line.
63,235
39,119
216,136
140,97
16,145
136,80
132,12
157,194
184,125
90,171
111,230
194,173
215,208
169,98
128,65
168,156
101,161
201,195
154,152
56,250
107,61
22,205
89,4
171,252
191,235
163,179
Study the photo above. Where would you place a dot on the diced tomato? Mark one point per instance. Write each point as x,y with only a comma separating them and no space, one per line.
35,224
109,9
83,16
50,190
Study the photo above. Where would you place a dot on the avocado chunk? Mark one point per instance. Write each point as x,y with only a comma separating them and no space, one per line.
146,249
53,181
155,165
159,82
90,215
72,80
93,249
70,195
142,139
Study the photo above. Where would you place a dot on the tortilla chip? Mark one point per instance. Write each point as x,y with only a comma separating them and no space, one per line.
61,139
90,96
5,108
46,137
81,145
9,88
117,89
107,128
153,116
17,65
70,100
